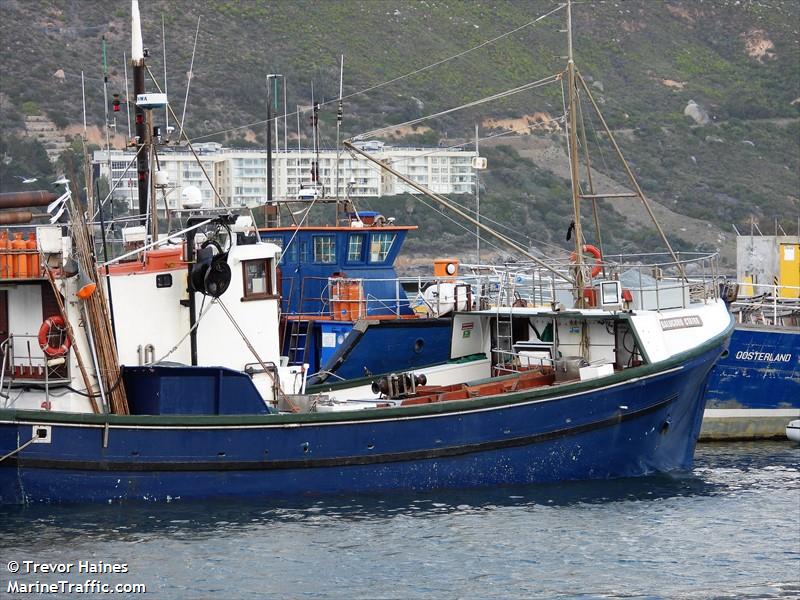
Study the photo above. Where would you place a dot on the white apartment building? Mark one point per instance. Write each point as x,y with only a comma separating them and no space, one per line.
239,175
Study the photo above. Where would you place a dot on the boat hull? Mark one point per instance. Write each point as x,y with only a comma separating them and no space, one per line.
628,426
754,390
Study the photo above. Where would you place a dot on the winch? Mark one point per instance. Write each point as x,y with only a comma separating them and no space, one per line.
398,385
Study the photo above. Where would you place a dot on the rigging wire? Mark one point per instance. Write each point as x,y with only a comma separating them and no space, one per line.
498,224
484,100
398,78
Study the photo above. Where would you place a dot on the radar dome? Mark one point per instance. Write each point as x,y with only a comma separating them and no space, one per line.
191,197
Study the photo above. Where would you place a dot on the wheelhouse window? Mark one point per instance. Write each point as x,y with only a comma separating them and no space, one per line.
258,279
355,248
324,249
380,246
290,254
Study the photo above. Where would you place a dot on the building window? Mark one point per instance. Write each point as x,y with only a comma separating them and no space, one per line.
324,249
380,246
257,279
355,248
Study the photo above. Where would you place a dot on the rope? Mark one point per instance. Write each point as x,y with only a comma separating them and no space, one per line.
275,383
532,126
493,97
117,182
188,333
396,79
20,449
297,228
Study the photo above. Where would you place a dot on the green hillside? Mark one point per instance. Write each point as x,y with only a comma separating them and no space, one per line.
738,59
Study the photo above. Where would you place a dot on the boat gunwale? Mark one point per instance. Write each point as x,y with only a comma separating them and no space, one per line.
435,409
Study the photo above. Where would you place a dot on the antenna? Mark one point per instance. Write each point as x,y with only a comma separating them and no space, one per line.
164,50
105,112
83,95
339,117
189,80
285,120
275,106
271,98
477,203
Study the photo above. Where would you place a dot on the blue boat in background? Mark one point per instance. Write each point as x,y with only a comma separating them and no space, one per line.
754,390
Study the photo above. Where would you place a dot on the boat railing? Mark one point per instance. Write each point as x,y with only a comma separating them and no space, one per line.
30,368
649,281
351,298
761,303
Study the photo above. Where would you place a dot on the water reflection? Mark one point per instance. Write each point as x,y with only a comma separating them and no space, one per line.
719,468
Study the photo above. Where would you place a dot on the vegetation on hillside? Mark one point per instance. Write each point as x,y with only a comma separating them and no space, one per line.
644,60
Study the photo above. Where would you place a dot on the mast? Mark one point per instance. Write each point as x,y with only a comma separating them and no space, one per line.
137,62
127,92
269,147
271,217
477,203
164,50
339,117
573,158
108,141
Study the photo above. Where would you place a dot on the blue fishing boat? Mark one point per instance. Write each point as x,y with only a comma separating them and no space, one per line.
162,376
754,391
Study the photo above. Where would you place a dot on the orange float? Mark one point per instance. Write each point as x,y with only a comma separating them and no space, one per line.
46,332
598,258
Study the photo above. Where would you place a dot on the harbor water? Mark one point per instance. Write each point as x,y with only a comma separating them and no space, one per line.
728,529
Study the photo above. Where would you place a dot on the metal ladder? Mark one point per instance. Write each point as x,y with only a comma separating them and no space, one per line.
504,348
299,330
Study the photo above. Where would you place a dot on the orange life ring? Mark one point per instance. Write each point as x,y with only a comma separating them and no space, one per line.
44,337
598,258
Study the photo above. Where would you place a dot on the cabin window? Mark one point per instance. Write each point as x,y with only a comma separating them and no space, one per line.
290,254
324,249
303,252
380,246
355,248
257,279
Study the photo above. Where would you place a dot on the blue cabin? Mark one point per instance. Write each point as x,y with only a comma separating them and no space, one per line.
332,277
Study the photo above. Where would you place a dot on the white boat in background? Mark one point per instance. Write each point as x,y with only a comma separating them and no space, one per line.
793,430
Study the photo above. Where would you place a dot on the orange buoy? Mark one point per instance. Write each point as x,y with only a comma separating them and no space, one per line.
53,337
598,258
33,255
18,247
